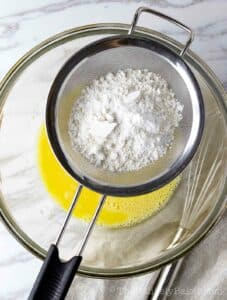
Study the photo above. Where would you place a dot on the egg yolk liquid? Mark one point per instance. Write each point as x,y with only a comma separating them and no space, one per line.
116,212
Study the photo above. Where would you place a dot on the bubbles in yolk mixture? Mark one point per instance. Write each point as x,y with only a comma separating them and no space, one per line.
116,212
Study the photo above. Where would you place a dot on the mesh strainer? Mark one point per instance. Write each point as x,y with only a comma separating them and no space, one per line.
97,59
110,55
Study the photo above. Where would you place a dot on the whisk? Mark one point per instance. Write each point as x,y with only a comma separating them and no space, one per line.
197,200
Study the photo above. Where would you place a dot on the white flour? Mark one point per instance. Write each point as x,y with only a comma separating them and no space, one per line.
124,121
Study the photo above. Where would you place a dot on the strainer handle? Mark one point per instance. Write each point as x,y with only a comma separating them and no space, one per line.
55,277
168,18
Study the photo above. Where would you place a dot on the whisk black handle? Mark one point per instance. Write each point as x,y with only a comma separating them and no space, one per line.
55,277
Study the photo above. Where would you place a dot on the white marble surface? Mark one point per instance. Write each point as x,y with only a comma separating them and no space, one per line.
25,23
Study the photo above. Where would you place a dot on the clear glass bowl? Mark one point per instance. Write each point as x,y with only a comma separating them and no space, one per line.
35,219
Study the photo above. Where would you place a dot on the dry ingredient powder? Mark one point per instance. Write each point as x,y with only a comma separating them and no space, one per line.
125,121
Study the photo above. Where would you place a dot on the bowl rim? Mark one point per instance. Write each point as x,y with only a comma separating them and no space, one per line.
116,28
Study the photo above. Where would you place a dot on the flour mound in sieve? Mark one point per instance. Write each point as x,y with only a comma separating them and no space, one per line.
124,121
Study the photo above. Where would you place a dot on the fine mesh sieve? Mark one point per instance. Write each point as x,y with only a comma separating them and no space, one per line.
97,59
110,55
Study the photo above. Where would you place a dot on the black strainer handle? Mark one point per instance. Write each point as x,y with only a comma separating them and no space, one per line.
168,18
55,277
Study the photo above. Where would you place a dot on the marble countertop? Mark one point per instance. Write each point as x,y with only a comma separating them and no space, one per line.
25,24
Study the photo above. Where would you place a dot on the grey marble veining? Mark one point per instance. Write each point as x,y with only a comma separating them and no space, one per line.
24,24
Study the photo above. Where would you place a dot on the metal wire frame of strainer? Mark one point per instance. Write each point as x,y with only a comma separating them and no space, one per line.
96,59
109,55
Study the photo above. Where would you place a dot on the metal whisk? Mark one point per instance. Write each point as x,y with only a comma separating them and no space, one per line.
197,200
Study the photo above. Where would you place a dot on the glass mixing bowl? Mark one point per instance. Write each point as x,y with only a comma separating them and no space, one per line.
35,219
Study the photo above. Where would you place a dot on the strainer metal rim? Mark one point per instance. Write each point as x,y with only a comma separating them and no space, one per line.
194,60
51,119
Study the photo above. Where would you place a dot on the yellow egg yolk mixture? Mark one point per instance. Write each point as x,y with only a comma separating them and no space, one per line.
116,212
